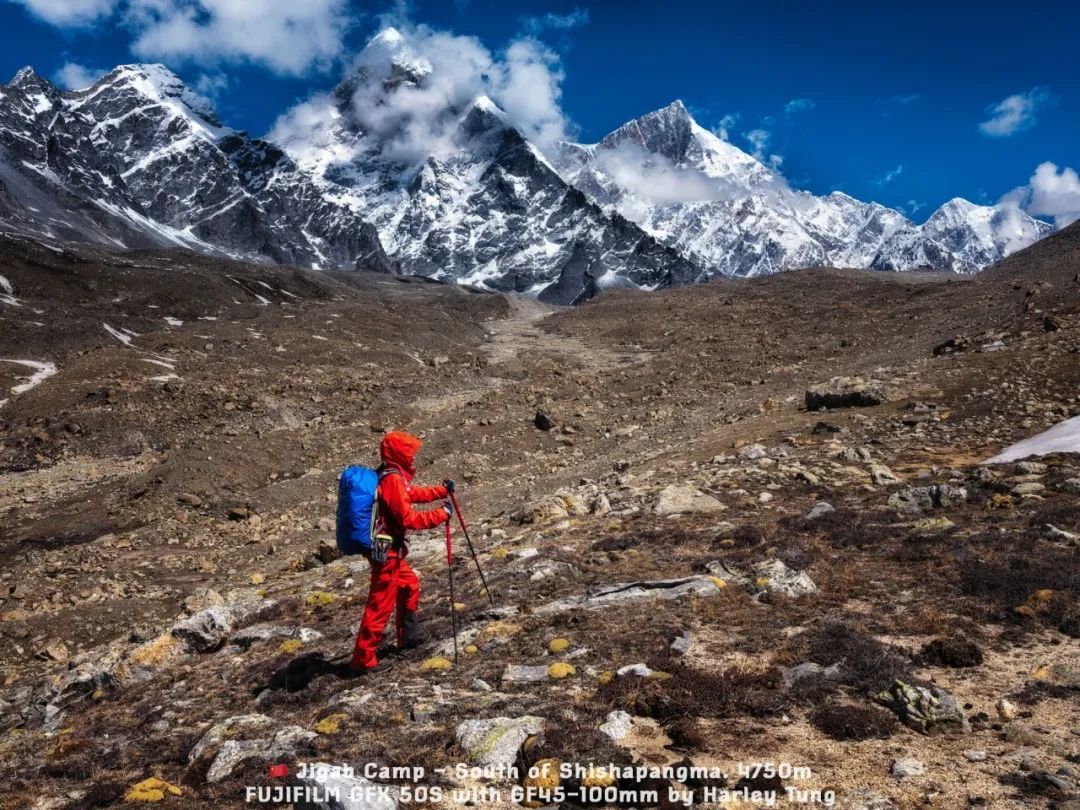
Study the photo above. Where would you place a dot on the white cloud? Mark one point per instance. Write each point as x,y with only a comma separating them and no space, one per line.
722,130
759,142
1054,192
420,80
798,105
890,175
655,179
555,22
912,207
69,13
286,36
1014,113
212,85
73,76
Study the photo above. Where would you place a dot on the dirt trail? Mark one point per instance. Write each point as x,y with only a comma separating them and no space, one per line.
522,332
510,339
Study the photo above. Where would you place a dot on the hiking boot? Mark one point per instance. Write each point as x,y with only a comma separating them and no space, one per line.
381,666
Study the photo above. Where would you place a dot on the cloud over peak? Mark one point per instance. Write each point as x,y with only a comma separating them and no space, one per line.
418,117
1015,113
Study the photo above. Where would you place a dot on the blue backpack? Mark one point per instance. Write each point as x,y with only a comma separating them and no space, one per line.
356,509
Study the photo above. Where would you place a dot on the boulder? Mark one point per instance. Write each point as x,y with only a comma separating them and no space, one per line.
930,710
916,500
497,740
845,392
266,632
775,576
208,629
680,499
819,510
634,592
230,743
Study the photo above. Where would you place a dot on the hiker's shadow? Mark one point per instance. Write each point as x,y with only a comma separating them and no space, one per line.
298,673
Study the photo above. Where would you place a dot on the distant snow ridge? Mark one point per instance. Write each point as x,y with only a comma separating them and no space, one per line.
734,217
353,181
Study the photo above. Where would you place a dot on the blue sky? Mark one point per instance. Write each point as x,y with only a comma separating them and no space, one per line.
908,104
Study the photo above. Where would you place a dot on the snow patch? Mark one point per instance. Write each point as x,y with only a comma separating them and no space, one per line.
1063,437
41,372
171,321
123,335
8,294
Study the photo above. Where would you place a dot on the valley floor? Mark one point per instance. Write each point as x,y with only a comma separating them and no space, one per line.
171,606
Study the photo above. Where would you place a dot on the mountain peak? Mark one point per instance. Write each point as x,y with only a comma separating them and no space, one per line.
25,74
666,132
159,84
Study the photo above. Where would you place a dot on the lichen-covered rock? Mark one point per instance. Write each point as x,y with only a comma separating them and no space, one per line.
208,629
230,743
682,499
930,710
776,576
916,500
497,740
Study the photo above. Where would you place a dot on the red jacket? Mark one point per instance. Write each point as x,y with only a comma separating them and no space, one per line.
397,493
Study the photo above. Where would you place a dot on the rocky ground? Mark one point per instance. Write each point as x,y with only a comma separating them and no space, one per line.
688,565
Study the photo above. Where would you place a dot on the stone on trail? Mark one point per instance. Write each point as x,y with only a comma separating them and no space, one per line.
617,724
682,499
819,510
517,673
906,767
928,710
845,392
497,740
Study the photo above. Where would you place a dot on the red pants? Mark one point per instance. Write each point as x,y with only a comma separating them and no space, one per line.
394,583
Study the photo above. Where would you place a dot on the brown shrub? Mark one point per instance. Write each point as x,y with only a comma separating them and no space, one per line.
956,651
866,664
693,693
1007,580
849,722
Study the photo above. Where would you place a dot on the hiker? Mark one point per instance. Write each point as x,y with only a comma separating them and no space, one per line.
393,582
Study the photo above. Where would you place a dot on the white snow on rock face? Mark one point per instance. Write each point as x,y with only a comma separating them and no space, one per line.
1063,437
733,216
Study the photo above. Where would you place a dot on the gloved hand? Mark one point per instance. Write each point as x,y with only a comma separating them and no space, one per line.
449,484
449,507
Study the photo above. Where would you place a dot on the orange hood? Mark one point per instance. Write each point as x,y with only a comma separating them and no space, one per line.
399,449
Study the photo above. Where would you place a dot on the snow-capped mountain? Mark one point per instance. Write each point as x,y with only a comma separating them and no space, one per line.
141,160
460,194
733,216
397,170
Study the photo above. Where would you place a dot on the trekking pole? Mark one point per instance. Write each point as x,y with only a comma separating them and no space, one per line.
453,603
472,551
